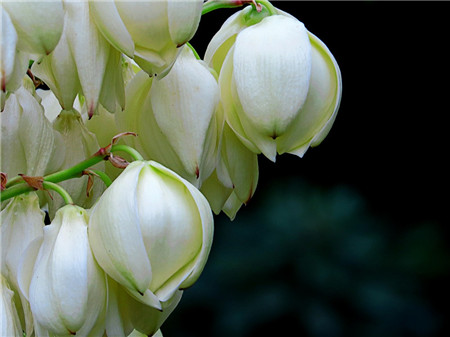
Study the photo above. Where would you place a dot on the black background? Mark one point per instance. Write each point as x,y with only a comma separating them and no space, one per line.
388,144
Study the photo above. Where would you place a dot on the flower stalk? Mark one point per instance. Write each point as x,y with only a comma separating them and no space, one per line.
212,5
15,188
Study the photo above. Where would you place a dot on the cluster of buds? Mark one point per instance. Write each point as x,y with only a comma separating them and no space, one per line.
112,256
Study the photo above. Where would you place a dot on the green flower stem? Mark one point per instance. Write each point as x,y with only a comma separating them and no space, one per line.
61,191
72,172
272,10
14,181
15,190
127,149
104,177
212,5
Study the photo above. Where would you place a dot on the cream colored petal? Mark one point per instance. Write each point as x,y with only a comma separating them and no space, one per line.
320,109
242,165
195,267
183,19
229,103
183,104
58,70
89,49
37,36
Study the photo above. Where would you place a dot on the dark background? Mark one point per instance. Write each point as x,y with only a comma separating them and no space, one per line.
352,239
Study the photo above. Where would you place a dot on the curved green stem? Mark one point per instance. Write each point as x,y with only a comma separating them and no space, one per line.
14,187
14,181
212,5
104,177
15,190
61,191
127,149
272,10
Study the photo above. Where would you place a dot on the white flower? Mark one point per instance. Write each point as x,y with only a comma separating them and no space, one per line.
280,85
174,117
22,224
150,32
151,231
68,289
28,142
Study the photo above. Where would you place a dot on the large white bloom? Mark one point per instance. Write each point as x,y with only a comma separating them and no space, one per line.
151,231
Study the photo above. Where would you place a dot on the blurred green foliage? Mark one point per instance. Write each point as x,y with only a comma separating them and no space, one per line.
309,261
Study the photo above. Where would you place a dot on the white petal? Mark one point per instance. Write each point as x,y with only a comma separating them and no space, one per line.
320,109
183,104
89,49
271,69
111,25
183,19
116,238
207,227
8,48
37,36
222,41
170,224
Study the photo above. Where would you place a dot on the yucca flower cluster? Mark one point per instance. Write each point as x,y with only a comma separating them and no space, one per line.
96,243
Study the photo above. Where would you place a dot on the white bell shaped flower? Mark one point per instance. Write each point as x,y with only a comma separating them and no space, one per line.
68,289
28,142
151,231
271,73
176,123
10,323
149,32
39,24
22,223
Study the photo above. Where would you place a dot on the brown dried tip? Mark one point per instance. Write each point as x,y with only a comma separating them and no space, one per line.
117,161
115,139
34,182
89,185
4,179
91,110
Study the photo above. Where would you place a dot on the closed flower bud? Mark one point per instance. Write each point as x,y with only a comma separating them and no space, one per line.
38,24
150,32
175,117
280,85
151,231
28,142
68,289
22,223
